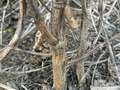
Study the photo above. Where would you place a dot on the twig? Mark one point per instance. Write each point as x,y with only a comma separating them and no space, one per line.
41,26
93,22
100,10
17,34
45,6
32,52
113,5
112,55
29,29
6,87
96,63
107,41
25,72
29,52
77,3
10,13
3,18
23,86
91,51
96,66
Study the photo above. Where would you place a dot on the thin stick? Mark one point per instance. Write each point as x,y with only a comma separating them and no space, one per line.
113,5
6,87
91,51
96,67
16,36
3,19
32,52
25,72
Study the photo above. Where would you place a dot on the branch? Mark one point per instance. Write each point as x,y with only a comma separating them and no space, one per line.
17,34
40,25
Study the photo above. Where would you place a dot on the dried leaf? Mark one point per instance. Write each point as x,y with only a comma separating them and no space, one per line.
69,18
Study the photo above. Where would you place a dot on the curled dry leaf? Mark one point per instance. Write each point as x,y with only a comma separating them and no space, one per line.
40,43
38,37
69,18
